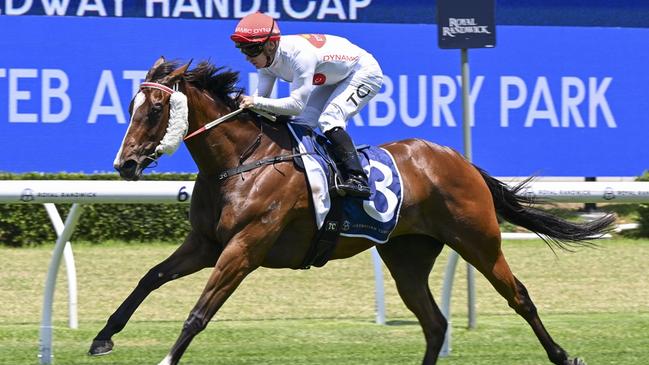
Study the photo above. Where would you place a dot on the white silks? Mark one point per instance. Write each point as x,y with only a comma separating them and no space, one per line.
177,126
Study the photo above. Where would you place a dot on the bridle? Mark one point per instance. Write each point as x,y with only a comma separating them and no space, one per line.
212,124
244,156
155,85
155,155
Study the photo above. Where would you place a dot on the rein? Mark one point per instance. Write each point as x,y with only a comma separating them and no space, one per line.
224,118
213,123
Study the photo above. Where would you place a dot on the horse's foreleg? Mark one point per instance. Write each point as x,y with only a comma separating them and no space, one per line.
410,260
234,264
194,254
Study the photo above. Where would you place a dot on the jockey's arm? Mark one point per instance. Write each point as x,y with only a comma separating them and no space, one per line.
301,88
265,84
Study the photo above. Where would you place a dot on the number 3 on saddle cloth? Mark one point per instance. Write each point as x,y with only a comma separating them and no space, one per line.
374,219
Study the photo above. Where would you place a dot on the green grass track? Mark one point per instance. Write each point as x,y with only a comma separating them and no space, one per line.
594,302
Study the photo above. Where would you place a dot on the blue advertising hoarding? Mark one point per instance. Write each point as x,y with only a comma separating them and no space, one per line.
549,100
375,11
600,13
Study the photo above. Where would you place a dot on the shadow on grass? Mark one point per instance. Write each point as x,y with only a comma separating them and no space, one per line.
401,323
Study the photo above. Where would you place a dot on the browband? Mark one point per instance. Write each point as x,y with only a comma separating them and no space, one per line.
155,85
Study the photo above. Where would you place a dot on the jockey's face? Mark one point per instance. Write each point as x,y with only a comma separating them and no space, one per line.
263,59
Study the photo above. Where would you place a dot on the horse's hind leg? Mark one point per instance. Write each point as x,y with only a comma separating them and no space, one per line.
519,299
193,255
410,260
483,251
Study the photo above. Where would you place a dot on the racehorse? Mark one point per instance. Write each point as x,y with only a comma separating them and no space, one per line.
264,216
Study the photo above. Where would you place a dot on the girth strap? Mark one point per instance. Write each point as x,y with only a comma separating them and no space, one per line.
326,238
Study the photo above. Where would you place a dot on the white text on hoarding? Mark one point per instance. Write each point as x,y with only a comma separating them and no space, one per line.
42,95
331,9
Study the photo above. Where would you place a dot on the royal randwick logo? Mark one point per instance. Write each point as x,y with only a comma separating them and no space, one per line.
463,26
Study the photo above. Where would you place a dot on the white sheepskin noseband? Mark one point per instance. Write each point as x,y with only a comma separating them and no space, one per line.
177,126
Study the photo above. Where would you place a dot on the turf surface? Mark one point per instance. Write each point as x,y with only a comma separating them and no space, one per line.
594,302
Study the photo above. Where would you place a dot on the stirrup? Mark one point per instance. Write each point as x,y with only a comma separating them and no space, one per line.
355,187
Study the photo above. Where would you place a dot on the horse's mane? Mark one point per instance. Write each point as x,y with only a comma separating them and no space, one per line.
219,81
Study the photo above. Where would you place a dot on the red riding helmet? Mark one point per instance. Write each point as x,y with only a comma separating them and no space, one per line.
256,28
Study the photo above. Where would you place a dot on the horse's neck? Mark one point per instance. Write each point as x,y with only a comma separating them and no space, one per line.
221,147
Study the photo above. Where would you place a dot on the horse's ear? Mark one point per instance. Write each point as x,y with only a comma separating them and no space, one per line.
157,64
176,74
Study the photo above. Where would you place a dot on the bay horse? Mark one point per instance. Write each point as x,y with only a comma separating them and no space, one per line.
264,217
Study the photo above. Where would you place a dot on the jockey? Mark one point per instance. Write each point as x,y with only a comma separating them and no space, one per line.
330,78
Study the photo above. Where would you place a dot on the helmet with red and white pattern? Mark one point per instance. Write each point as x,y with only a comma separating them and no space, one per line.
256,28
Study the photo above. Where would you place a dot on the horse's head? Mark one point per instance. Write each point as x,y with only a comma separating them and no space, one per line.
158,120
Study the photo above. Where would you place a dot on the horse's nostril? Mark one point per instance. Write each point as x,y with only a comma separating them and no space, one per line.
128,170
156,108
129,165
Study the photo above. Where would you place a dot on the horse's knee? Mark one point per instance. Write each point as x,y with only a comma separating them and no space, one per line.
439,329
435,330
443,325
155,278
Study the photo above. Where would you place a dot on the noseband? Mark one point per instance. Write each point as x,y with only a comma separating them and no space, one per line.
178,119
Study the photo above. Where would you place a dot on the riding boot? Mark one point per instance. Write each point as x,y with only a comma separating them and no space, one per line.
354,177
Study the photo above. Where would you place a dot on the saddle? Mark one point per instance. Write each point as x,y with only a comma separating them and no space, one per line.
325,151
338,215
326,238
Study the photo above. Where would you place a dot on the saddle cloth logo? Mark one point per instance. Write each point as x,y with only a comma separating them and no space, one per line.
373,219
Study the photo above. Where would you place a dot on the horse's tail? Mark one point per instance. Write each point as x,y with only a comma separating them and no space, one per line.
517,209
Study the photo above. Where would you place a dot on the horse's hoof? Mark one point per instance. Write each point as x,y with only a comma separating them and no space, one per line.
100,347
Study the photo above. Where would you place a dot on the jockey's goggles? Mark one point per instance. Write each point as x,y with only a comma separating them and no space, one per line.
251,49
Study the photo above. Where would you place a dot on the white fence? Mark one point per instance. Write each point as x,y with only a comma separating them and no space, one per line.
78,193
173,192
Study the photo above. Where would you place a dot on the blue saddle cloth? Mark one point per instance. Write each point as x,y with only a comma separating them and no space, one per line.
375,218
